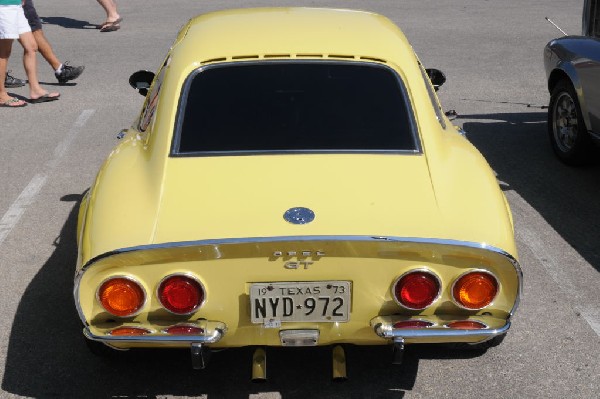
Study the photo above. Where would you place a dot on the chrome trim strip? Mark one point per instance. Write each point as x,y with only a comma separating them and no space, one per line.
76,286
289,152
390,333
257,240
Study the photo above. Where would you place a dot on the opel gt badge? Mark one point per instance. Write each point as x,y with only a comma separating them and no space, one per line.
299,215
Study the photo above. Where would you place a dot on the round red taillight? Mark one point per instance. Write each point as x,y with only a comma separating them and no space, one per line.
413,324
475,290
417,290
466,325
180,294
183,329
121,296
128,331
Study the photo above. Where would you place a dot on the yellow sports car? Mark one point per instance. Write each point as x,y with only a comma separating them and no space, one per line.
293,181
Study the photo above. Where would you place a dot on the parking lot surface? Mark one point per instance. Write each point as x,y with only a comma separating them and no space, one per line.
491,52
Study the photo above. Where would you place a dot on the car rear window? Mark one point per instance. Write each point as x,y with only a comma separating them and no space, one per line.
294,107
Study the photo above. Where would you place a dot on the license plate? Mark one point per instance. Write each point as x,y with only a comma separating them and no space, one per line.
322,301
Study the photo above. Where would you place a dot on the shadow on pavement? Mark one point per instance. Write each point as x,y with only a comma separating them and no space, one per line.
69,23
47,356
58,84
517,147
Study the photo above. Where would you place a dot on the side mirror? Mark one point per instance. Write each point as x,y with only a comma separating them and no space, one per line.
141,81
437,77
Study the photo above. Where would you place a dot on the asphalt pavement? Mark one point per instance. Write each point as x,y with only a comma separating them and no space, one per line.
491,52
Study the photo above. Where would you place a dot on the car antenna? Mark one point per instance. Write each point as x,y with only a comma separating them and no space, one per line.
556,26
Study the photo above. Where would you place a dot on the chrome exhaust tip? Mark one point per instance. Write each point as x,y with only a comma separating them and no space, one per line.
259,365
339,364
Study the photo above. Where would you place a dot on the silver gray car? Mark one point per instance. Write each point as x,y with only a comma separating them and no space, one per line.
573,70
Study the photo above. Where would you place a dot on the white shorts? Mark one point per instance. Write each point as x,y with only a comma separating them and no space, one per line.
12,22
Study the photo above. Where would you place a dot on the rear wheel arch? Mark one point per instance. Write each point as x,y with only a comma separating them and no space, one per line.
556,76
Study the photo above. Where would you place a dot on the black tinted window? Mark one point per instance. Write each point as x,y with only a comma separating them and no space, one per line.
280,106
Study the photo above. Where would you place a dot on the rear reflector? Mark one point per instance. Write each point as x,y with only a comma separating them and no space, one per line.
466,325
417,290
413,324
121,296
120,331
184,330
180,294
475,290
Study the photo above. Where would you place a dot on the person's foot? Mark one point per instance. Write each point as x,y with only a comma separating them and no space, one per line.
12,103
44,98
68,72
12,82
111,25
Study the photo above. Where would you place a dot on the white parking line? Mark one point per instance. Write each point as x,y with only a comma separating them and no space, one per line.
27,197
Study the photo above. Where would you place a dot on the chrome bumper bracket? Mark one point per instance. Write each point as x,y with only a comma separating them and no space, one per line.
200,355
398,351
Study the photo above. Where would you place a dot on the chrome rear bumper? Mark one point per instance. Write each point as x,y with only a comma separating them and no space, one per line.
213,332
383,326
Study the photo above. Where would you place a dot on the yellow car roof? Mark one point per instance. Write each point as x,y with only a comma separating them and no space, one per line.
299,33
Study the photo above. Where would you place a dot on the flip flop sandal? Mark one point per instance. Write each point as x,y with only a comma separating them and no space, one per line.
12,103
44,99
111,26
116,21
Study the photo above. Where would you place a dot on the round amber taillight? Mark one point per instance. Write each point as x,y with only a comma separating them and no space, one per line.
184,330
121,296
466,325
180,294
417,290
128,331
413,324
475,290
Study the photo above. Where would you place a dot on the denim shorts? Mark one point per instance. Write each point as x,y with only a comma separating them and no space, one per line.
32,16
12,22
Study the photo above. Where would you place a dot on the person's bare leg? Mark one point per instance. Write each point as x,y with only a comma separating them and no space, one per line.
45,49
111,10
5,99
30,64
5,48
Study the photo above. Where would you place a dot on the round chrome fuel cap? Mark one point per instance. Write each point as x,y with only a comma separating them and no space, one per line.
299,215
